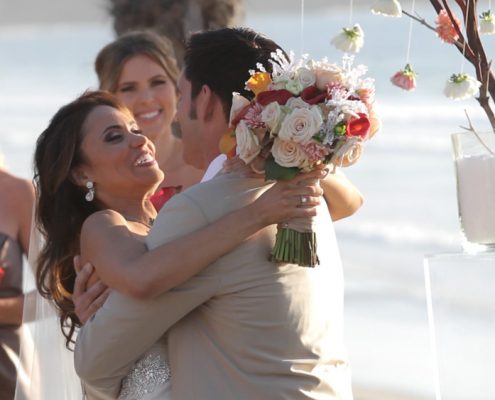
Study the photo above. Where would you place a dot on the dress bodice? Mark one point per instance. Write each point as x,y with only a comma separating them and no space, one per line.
10,286
149,378
10,267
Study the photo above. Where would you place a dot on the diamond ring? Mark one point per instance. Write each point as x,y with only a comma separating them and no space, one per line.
304,200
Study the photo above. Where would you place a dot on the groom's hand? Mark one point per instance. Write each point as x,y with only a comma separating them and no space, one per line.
87,300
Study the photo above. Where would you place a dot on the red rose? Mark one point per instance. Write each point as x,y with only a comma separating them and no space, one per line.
2,273
358,126
312,95
280,96
164,195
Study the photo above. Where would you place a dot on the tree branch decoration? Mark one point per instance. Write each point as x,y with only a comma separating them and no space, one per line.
466,37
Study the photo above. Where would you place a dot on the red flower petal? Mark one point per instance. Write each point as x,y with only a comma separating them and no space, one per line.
2,273
280,96
241,114
312,95
359,126
164,195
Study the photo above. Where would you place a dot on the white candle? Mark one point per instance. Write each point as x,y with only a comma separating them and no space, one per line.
476,197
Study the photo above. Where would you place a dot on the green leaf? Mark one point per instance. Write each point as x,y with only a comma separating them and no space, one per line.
273,171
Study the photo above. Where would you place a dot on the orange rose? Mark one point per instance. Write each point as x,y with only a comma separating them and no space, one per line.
259,82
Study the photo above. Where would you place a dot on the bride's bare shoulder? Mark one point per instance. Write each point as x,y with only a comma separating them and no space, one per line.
100,221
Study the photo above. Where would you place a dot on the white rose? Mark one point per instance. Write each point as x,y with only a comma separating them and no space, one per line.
301,124
306,77
271,116
297,102
288,154
328,75
238,103
248,145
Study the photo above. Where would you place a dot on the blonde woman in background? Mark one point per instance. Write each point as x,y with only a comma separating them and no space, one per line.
140,69
16,203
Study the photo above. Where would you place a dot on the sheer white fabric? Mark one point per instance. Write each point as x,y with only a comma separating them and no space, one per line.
46,370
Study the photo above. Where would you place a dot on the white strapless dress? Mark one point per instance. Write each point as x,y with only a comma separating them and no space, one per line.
149,378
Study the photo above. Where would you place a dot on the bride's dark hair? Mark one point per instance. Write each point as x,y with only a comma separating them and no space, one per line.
61,206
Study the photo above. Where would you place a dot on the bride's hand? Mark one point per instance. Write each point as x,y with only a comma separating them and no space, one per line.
294,198
88,296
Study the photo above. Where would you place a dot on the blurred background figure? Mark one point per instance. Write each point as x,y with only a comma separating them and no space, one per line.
16,202
175,18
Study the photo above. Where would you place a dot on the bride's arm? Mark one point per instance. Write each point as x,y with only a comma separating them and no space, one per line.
342,197
122,262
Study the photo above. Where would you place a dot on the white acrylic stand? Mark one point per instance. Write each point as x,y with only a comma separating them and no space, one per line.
460,291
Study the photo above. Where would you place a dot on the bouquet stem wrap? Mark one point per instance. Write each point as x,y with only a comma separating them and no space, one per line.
296,243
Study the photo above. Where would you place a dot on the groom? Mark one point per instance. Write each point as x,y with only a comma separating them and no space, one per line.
244,328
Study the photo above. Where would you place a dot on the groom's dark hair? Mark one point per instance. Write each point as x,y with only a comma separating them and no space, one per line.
222,59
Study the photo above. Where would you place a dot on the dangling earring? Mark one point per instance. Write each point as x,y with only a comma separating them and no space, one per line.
91,191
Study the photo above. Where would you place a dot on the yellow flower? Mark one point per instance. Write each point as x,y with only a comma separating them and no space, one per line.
227,143
259,82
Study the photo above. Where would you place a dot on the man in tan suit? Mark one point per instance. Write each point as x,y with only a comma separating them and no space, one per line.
244,328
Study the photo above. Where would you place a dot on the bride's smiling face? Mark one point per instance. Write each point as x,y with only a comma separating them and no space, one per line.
117,157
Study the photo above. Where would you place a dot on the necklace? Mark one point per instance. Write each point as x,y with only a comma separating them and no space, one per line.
148,224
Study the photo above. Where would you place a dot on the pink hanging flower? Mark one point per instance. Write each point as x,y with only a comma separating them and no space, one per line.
405,78
446,30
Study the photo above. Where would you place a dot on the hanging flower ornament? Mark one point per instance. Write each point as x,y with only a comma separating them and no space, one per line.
349,40
405,78
387,8
461,86
487,23
461,33
445,29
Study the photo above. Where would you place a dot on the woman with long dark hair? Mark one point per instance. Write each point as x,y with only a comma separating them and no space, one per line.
94,175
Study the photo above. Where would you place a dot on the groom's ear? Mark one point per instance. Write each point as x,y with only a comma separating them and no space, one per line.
206,102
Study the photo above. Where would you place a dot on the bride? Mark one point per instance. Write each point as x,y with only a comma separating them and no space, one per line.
94,174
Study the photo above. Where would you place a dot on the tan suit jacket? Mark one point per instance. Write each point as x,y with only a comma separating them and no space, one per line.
244,328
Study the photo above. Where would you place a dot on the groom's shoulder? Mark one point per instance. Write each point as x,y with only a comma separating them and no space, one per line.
223,193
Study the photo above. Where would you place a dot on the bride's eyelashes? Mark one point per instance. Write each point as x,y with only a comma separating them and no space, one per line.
113,137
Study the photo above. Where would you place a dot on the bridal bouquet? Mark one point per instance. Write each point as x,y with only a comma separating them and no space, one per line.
303,114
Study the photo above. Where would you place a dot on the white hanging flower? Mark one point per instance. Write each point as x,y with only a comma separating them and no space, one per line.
487,23
461,86
350,40
388,8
